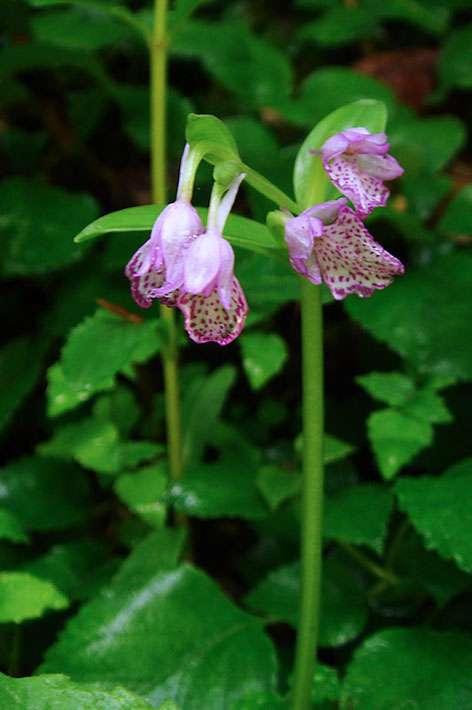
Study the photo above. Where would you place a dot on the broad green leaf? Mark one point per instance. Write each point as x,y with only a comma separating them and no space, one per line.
91,442
213,490
425,570
277,485
103,344
19,370
359,515
433,331
427,406
263,356
410,668
335,449
260,700
159,550
458,215
446,135
248,66
78,569
78,28
326,685
202,405
118,407
268,283
61,397
134,453
396,438
341,25
425,192
210,135
455,61
393,388
439,510
38,224
142,492
343,608
309,178
11,528
240,231
184,631
44,494
23,596
56,692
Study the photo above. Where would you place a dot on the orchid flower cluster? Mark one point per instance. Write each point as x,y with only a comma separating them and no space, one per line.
190,267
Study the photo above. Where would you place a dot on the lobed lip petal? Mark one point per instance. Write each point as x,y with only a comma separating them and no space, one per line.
202,262
363,189
207,320
351,261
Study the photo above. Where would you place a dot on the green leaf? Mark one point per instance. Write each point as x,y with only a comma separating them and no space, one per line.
396,438
11,528
91,442
343,608
202,405
417,668
240,231
78,28
260,700
263,356
48,692
455,62
334,449
427,406
326,685
103,344
19,370
38,224
309,178
248,66
61,397
158,551
210,135
439,510
44,494
341,25
446,135
215,490
433,332
184,650
359,515
78,569
23,596
393,388
142,492
277,485
458,215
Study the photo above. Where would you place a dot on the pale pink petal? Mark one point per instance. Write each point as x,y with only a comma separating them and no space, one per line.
178,231
365,191
308,268
225,274
351,261
327,211
206,319
202,262
300,233
384,167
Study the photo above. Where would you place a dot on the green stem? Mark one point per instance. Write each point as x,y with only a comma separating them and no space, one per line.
384,574
158,52
312,494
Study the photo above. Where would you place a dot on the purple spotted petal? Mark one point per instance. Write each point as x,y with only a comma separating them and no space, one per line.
364,190
144,277
206,319
351,261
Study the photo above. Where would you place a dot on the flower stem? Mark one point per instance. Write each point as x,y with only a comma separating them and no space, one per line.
312,494
158,53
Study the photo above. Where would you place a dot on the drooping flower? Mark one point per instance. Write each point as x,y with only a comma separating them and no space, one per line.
189,267
357,162
156,269
329,243
211,297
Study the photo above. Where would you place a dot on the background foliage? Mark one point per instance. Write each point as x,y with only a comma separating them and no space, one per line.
93,585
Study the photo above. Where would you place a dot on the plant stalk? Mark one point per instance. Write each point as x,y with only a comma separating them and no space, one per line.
158,56
312,494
